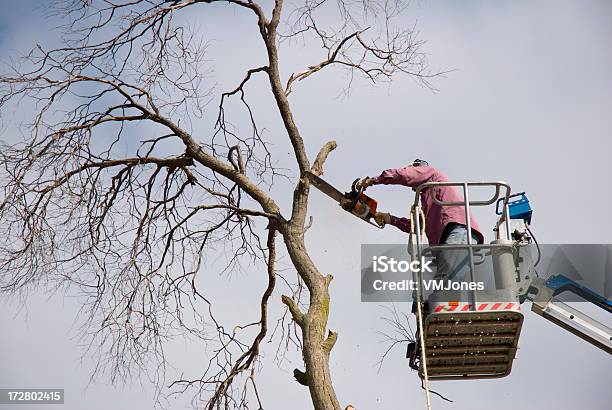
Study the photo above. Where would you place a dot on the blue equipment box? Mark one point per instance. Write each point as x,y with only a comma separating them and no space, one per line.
519,208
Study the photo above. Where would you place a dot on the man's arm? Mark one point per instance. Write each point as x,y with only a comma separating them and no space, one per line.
384,218
403,224
407,176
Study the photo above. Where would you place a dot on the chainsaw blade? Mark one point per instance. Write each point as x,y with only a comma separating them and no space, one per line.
325,187
339,197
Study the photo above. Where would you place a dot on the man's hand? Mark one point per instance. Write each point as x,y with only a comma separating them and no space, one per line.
382,218
363,183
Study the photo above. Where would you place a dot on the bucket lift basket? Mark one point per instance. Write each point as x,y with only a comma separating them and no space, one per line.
477,338
464,343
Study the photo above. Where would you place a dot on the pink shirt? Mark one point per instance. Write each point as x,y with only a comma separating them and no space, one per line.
437,217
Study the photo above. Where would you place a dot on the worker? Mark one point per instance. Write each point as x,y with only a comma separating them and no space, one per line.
443,224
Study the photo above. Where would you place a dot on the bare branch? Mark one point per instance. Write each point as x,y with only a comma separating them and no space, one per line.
314,68
317,166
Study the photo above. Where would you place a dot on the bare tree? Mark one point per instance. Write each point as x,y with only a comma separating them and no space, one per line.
116,191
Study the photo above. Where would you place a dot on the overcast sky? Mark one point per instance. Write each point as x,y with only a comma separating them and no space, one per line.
529,102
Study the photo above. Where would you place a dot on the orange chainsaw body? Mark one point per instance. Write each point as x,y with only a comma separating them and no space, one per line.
362,205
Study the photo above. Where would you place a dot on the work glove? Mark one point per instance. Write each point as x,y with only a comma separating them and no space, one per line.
382,218
363,183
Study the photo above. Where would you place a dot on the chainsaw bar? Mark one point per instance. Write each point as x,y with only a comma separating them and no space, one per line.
363,206
325,187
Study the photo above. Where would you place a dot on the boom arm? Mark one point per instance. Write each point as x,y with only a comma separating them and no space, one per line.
546,305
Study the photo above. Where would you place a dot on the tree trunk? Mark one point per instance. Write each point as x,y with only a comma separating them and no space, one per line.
317,347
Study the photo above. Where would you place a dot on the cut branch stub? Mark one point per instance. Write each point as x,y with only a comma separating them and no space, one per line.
297,315
329,342
301,377
317,166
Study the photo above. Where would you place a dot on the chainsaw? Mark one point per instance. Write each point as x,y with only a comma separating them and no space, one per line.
355,201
